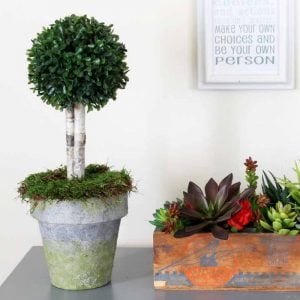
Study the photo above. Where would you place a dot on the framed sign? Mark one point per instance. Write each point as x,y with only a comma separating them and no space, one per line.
246,44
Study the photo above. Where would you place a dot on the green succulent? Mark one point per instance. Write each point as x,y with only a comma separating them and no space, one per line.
293,188
210,212
281,219
251,177
167,218
273,189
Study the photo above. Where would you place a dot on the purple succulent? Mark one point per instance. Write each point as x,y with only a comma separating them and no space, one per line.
212,210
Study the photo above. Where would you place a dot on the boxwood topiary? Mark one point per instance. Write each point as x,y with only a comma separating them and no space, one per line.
77,60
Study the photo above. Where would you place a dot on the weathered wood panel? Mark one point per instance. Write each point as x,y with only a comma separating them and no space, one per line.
246,261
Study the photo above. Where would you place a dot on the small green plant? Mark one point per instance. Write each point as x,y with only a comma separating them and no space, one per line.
213,210
281,219
273,189
167,219
251,177
293,188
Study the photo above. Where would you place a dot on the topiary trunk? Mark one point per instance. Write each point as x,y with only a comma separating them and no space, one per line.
75,134
79,143
70,141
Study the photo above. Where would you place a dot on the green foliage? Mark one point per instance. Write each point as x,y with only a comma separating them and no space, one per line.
251,179
281,219
167,219
293,188
273,190
77,60
212,210
99,182
161,217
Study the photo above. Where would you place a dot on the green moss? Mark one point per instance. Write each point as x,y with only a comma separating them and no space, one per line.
80,265
99,182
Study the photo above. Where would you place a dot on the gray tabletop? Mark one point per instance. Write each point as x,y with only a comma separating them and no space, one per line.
132,280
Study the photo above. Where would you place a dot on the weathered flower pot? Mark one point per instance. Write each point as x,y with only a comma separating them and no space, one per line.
247,261
79,239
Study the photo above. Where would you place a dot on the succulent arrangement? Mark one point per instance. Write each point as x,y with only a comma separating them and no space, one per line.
223,208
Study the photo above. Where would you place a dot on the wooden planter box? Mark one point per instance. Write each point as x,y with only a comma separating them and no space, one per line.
247,261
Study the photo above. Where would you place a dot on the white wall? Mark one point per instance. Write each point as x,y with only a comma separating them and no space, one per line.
161,127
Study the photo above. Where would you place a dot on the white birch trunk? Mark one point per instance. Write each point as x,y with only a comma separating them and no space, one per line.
79,144
70,142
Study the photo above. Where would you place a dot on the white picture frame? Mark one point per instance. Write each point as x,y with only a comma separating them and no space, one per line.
252,51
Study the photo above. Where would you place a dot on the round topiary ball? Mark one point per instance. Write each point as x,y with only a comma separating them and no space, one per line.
77,60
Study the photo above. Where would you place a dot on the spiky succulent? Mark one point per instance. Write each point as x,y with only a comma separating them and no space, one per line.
167,218
273,189
281,219
212,210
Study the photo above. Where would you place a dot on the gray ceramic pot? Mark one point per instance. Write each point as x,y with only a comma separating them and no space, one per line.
80,240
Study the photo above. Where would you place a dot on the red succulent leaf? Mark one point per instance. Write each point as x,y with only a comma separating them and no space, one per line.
182,233
227,215
174,209
187,205
229,205
190,230
194,189
211,190
190,213
189,200
234,190
219,232
247,193
196,197
227,181
198,227
169,227
221,197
